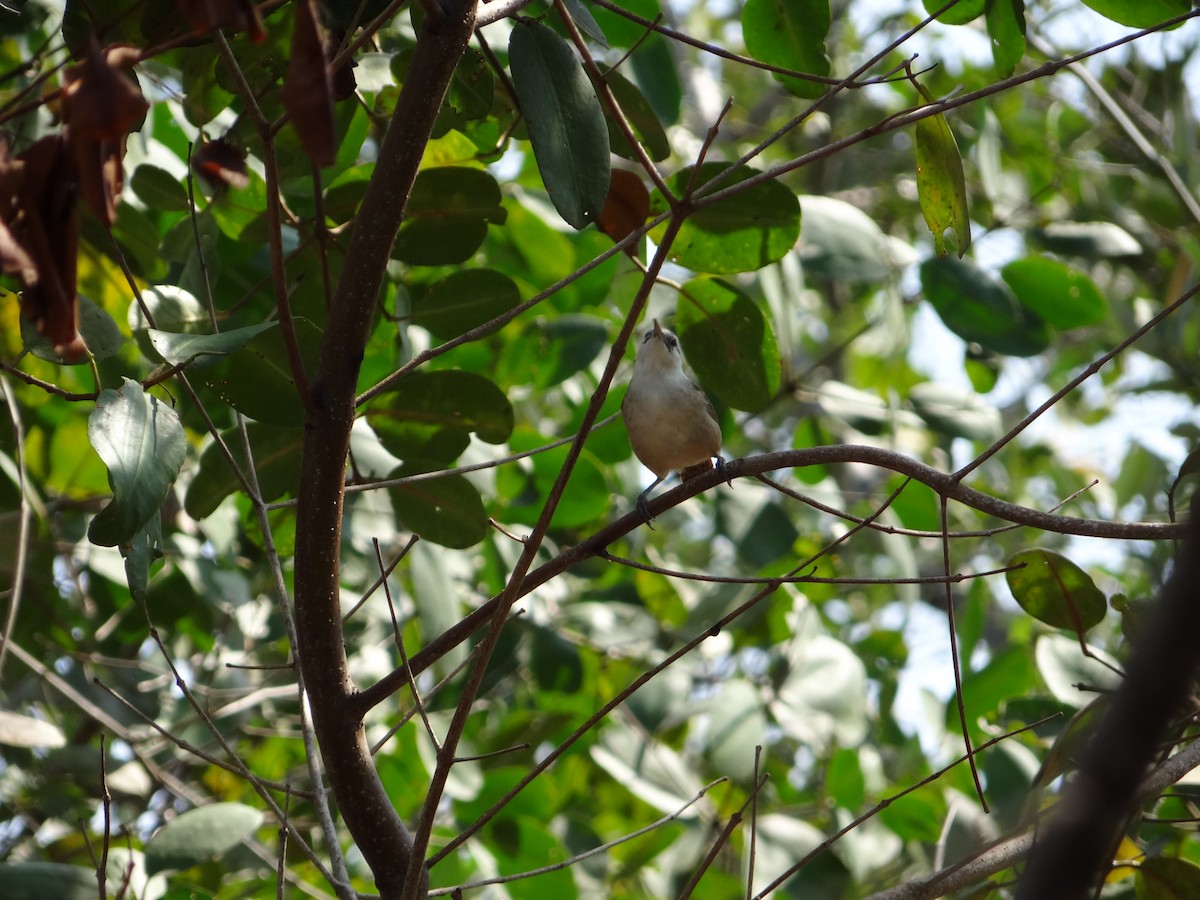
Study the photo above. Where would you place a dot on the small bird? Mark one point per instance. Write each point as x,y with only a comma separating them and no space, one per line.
671,422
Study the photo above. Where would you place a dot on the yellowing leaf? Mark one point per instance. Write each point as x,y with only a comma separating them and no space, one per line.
941,185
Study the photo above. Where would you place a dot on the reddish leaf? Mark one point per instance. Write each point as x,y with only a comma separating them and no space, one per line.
14,258
100,104
219,163
99,101
234,15
101,175
307,93
46,223
342,78
626,207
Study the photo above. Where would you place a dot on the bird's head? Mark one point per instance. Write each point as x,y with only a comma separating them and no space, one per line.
659,349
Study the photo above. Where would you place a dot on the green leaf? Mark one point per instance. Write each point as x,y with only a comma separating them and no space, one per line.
1054,590
198,835
654,772
740,233
822,694
140,552
276,454
789,34
729,343
173,309
431,415
915,817
641,117
99,332
1007,675
1096,240
1139,13
566,124
238,212
841,242
26,731
46,881
1006,28
256,380
960,14
143,444
941,185
203,97
550,351
447,216
736,725
1063,296
586,22
1167,878
977,308
464,300
554,661
655,72
956,411
844,779
472,88
158,188
1073,677
178,348
588,499
917,506
447,511
862,410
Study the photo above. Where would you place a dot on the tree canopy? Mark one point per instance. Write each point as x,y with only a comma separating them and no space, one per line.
321,569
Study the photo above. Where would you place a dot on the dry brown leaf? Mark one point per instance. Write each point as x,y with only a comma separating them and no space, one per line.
235,15
219,163
47,225
626,207
101,174
99,101
307,93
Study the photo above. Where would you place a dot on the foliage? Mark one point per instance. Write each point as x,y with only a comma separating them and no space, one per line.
879,264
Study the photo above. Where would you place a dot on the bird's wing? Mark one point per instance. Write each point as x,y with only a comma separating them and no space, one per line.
708,404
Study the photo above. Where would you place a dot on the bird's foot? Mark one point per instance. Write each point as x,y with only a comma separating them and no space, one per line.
643,509
721,471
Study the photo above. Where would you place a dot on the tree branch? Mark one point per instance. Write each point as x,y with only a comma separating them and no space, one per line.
1009,851
751,466
382,838
1075,851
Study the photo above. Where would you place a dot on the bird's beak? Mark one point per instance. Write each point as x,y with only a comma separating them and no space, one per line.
657,329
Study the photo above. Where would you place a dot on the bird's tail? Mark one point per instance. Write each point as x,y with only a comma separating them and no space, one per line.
698,469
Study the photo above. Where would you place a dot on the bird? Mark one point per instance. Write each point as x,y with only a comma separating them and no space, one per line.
671,422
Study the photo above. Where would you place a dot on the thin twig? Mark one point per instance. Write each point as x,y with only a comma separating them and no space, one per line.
24,521
399,641
753,466
515,586
283,307
580,857
722,839
1095,366
956,661
884,804
956,578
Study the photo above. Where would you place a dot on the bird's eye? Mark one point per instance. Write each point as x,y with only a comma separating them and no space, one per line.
672,343
646,337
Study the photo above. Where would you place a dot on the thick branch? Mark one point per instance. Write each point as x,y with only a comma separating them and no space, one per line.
1076,850
381,837
751,466
1014,849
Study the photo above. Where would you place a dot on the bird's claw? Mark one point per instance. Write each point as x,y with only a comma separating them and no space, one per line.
721,472
643,509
